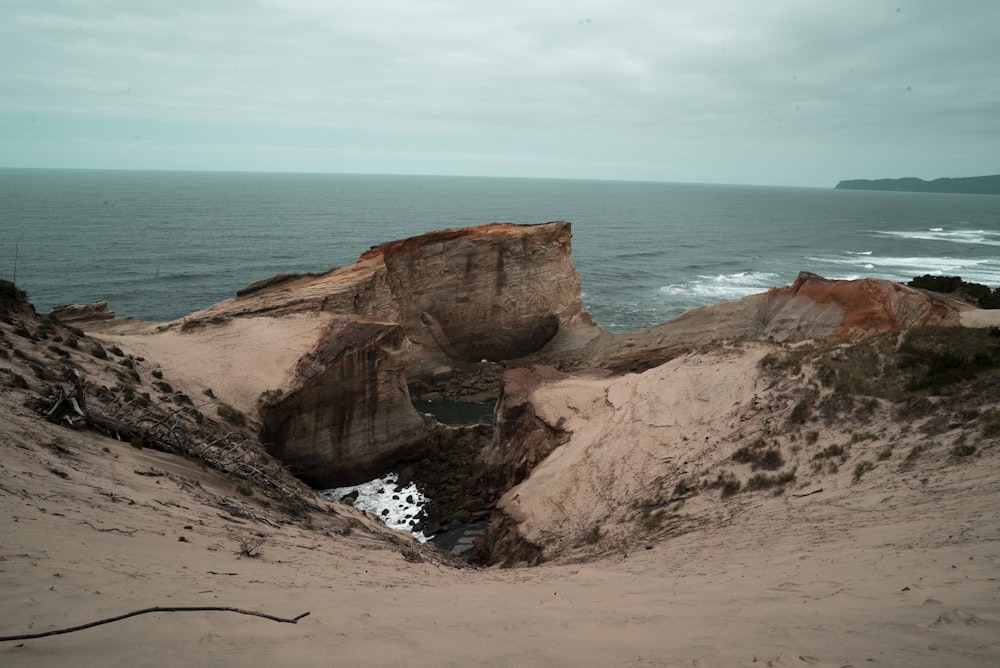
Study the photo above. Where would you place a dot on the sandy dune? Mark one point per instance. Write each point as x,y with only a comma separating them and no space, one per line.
892,571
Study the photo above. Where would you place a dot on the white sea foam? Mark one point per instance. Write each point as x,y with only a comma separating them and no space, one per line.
962,236
723,286
380,498
975,270
927,264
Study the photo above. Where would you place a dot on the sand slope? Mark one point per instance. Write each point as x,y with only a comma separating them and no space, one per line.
893,571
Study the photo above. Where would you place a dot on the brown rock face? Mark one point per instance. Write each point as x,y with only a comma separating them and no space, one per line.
496,293
812,307
870,305
83,314
451,298
347,413
405,309
521,439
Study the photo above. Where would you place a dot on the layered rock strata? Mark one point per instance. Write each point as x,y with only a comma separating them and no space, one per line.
430,310
494,292
347,414
812,307
447,304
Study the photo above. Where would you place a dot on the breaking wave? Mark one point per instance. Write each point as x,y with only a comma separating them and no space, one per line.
958,236
723,286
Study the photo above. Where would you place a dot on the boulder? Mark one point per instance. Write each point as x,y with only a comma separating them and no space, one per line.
82,315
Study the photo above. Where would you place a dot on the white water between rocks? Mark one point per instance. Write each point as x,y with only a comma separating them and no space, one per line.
398,507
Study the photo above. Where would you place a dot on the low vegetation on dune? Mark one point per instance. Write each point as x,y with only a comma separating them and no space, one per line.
884,401
975,293
891,407
80,382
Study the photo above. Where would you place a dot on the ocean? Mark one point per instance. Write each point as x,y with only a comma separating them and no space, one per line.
158,245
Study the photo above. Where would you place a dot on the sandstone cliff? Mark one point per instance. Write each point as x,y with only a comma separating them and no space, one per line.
496,292
336,404
812,307
347,415
336,389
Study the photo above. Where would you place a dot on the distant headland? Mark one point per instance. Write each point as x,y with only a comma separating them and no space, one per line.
972,185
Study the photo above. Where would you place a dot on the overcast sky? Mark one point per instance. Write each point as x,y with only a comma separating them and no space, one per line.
779,92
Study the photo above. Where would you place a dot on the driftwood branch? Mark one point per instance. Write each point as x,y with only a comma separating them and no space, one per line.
126,532
32,636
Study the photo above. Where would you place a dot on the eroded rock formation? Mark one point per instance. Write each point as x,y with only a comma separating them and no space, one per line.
416,311
500,293
399,315
74,314
812,307
496,292
347,414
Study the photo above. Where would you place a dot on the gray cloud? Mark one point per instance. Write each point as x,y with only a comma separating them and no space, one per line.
725,91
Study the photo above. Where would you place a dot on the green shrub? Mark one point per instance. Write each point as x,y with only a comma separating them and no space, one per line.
10,294
41,372
592,536
803,409
975,293
765,481
830,452
231,415
270,396
991,427
769,459
915,453
727,482
653,518
936,357
244,487
861,468
16,380
963,450
23,332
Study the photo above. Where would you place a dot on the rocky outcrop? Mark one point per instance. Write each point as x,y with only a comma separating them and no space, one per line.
426,312
500,292
347,413
403,312
521,439
812,307
83,315
495,292
612,440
